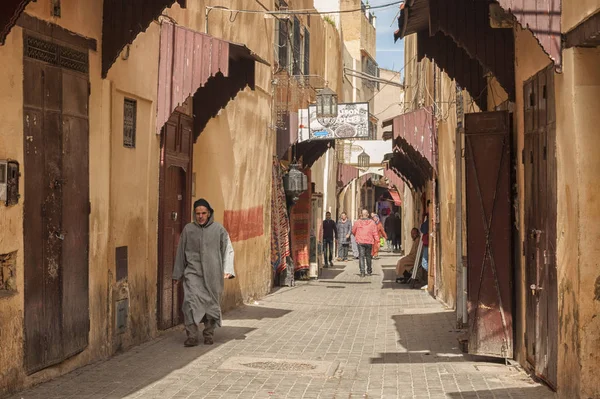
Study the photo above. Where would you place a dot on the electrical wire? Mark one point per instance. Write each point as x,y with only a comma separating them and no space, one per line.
306,11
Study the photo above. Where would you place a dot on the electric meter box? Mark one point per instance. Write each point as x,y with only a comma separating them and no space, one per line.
9,181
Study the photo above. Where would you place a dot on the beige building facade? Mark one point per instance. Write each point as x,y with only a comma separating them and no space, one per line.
552,276
121,295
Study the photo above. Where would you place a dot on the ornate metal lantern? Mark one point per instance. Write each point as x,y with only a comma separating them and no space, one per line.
295,183
327,106
364,160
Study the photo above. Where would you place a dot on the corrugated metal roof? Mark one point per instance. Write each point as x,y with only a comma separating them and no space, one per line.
10,10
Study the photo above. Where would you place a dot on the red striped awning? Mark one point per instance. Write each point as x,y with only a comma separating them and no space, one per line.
395,197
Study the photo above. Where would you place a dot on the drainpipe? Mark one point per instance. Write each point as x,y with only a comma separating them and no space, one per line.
462,284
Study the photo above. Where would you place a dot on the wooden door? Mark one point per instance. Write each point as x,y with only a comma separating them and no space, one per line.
488,199
174,212
539,159
56,208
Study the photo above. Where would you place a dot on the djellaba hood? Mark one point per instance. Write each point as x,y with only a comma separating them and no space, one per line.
204,203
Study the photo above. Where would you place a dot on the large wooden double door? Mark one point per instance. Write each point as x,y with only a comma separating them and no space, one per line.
56,208
174,212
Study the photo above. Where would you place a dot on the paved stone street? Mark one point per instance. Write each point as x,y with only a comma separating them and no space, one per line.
338,337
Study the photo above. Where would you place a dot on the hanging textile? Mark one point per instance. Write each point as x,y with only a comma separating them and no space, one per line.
280,226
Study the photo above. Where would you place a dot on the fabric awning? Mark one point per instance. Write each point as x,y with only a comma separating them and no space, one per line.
395,197
188,59
10,10
312,150
394,180
417,129
543,18
346,173
122,21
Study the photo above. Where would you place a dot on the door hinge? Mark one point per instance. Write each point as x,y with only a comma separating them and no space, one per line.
523,247
89,207
89,89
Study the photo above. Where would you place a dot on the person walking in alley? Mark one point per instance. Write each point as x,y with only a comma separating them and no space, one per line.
407,262
344,231
388,226
397,232
380,234
330,233
204,260
366,235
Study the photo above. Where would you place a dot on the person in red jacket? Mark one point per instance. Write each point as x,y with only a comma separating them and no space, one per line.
366,235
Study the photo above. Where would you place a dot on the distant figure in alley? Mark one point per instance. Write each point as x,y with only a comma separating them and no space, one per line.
365,231
204,260
330,234
344,230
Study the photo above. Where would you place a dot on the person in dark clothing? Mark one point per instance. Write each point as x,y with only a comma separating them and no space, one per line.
329,237
388,225
397,232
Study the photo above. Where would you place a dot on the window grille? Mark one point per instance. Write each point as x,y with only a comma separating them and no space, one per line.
306,52
129,122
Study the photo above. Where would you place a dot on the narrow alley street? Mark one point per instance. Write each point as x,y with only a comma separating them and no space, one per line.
341,336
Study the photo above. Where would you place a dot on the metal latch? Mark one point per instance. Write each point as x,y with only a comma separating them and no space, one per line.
535,289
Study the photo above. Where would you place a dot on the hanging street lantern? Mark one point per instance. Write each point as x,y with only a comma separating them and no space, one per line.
364,160
327,104
295,183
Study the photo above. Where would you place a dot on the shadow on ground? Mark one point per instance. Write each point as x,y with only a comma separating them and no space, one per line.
134,370
255,313
330,273
536,392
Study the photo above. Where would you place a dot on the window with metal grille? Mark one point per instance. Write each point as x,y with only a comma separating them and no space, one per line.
283,45
306,52
129,125
296,48
371,68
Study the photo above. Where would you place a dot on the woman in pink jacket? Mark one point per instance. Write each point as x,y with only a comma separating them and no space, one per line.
366,235
380,233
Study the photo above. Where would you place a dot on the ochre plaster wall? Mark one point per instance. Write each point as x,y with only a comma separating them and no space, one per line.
446,201
85,20
578,212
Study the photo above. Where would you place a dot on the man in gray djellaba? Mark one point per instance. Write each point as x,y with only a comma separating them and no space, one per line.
204,260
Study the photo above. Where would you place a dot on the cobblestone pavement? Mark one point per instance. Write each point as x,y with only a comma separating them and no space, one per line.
338,337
